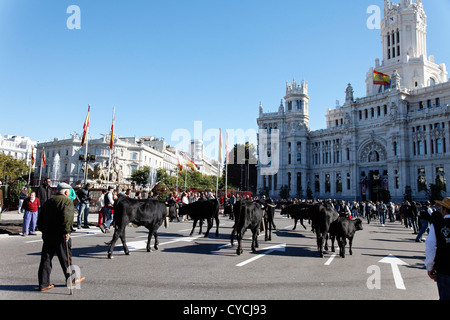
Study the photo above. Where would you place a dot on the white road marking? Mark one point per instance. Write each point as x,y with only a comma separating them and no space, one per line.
395,262
281,247
330,260
139,245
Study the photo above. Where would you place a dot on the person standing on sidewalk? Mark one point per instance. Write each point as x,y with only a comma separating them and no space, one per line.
84,196
108,201
22,196
437,252
31,206
55,221
44,192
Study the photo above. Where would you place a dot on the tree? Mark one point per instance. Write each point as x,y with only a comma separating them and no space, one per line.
140,177
12,169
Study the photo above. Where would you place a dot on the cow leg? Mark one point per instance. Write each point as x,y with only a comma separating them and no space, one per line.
342,243
255,243
320,244
193,227
124,242
217,224
201,226
295,225
326,242
232,236
210,224
116,235
333,237
156,246
239,250
301,221
150,235
350,242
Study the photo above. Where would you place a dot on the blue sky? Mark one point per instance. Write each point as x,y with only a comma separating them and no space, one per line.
165,64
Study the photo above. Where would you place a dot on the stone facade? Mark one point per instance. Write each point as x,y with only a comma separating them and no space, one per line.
395,138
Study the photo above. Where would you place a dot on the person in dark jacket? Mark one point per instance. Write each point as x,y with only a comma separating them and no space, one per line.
55,221
44,192
437,252
84,196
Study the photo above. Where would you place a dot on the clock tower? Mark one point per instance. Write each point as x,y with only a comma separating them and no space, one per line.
404,39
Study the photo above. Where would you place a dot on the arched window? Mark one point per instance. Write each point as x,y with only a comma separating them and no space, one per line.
432,82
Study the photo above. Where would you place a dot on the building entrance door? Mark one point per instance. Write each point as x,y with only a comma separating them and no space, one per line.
374,186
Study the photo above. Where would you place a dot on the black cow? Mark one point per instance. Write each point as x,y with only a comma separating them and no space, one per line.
297,212
321,218
202,209
146,213
248,215
344,229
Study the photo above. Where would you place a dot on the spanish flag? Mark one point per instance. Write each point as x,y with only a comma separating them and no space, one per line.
32,157
86,126
111,142
43,159
381,78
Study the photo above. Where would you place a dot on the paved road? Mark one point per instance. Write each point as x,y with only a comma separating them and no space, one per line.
387,264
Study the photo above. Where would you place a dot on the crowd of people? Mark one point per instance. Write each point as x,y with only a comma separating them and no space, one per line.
39,210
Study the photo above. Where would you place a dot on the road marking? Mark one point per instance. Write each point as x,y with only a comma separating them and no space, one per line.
395,262
139,245
281,247
78,234
330,260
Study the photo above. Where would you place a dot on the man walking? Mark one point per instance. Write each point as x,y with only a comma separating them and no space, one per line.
55,222
437,252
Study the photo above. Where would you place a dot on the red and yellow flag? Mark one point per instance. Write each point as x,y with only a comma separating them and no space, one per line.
111,143
32,157
86,126
43,157
381,78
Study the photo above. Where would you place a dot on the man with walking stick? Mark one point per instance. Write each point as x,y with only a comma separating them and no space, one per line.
55,221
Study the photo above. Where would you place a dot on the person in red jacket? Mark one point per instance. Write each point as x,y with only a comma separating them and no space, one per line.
30,206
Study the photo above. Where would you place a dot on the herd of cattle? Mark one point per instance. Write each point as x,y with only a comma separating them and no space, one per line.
152,214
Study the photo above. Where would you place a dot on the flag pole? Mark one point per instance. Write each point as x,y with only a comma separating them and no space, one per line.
86,128
40,171
226,166
218,164
31,165
86,159
111,145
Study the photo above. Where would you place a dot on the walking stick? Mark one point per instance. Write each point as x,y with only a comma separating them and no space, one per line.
69,267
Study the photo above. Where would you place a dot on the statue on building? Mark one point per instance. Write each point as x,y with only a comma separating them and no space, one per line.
395,80
349,94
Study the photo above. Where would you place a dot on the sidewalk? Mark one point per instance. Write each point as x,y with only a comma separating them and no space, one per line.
14,217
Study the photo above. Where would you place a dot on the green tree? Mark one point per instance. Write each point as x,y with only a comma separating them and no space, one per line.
141,176
12,169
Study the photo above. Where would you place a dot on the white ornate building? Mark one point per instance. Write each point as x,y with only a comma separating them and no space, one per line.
129,154
19,148
395,137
